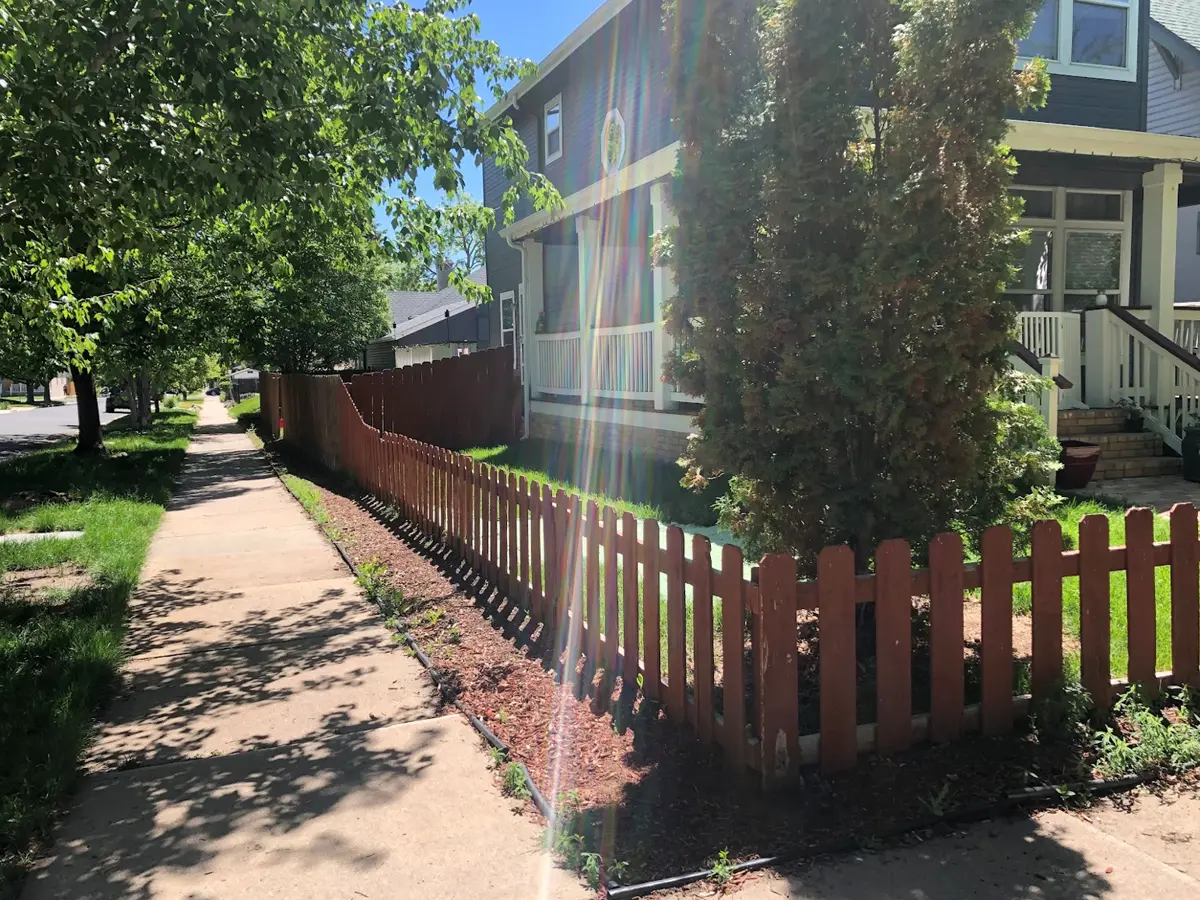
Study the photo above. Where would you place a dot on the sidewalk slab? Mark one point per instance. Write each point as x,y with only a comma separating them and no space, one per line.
1166,827
409,812
238,698
285,539
199,521
1053,856
167,622
243,570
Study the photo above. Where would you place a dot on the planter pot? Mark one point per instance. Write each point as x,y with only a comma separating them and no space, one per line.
1079,460
1135,424
1191,453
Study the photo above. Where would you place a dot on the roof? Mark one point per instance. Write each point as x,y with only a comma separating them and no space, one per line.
410,311
606,13
1182,17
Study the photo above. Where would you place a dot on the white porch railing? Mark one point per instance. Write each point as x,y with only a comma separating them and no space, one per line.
1187,328
1057,334
623,361
1128,360
556,367
1047,401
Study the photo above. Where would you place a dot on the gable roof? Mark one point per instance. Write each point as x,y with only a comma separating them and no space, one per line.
410,311
606,13
1182,17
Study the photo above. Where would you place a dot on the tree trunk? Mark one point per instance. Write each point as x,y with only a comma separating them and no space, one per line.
46,395
30,398
143,400
91,436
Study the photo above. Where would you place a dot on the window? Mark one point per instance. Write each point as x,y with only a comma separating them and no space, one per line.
613,142
553,129
1093,38
508,318
1078,250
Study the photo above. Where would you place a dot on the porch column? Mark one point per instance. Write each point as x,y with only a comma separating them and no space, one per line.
1160,232
532,305
663,216
587,228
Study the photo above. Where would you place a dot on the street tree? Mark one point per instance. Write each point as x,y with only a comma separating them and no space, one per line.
126,123
845,233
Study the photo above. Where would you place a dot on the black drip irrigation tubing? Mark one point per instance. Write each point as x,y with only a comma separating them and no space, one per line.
488,735
964,816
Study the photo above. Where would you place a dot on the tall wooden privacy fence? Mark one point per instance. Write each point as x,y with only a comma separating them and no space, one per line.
720,650
465,401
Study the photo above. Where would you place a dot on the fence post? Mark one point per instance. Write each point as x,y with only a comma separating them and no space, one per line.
839,667
1095,662
1185,596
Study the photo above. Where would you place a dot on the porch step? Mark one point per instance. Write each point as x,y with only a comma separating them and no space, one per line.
1121,445
1138,467
1072,423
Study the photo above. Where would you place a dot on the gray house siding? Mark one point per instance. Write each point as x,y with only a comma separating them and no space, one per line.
1171,111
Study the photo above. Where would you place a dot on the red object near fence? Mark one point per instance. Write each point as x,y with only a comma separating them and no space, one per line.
600,591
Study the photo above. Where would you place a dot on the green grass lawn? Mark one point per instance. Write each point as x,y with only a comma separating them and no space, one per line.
629,481
249,406
61,652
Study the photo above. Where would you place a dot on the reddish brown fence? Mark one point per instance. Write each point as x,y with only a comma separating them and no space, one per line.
466,401
720,651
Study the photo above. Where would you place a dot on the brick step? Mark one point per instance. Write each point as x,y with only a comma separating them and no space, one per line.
1120,445
1099,416
1137,467
1077,430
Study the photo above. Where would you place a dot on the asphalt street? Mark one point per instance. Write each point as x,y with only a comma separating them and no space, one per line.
25,429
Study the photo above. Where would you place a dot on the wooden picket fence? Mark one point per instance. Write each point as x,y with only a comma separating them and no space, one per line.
461,402
552,553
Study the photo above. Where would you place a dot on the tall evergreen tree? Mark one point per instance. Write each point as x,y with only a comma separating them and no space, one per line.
845,235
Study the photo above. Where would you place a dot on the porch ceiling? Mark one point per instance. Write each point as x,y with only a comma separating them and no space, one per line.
1110,142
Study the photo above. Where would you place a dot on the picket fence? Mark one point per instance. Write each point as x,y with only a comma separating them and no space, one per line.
552,553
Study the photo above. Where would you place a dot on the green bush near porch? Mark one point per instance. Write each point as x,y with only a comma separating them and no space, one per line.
627,480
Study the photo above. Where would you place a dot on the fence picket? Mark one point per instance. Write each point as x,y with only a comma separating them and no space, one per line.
1047,591
733,643
672,566
651,610
592,574
702,635
1185,595
574,546
778,699
1139,596
1094,616
946,687
996,645
630,618
523,519
512,514
536,574
612,600
893,646
838,666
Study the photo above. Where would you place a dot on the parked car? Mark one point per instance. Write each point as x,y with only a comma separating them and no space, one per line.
117,399
213,392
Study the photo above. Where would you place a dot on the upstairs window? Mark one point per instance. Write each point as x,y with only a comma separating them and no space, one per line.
553,130
1090,38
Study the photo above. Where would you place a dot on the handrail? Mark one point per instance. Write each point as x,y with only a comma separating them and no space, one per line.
1156,337
1030,359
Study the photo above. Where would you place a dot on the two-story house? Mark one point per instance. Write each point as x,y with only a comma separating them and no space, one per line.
578,292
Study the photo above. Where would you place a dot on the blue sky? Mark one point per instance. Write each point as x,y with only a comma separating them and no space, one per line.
526,29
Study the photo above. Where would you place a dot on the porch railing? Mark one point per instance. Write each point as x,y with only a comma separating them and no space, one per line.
1057,334
556,367
1187,328
624,362
1129,360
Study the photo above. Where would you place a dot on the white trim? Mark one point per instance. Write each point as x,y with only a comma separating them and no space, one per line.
650,168
1064,66
614,117
576,39
634,418
1085,140
511,298
549,158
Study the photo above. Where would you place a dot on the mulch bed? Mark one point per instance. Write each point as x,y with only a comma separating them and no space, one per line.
656,799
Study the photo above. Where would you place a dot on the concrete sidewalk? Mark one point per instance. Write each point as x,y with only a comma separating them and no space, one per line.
271,740
1107,853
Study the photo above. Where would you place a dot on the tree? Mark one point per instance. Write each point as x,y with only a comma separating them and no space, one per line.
164,117
844,237
27,355
458,238
321,305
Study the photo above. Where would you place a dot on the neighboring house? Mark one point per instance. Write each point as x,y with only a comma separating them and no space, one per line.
429,325
242,383
1101,200
61,386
